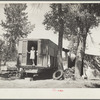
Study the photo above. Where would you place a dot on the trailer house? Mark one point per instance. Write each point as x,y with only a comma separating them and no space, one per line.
45,57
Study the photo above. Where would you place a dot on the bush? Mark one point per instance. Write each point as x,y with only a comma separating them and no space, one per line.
69,73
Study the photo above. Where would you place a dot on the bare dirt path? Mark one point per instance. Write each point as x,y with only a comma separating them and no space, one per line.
49,83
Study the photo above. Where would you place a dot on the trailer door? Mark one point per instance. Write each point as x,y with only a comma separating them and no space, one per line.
20,46
39,57
24,52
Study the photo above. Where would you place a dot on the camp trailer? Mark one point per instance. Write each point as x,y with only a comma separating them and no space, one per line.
45,57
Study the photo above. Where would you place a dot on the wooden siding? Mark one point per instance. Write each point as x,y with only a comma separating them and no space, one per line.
24,52
47,52
20,46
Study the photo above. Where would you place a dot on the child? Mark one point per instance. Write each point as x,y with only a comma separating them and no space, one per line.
32,54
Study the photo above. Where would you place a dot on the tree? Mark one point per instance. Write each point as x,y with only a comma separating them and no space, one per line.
16,25
1,50
53,20
77,20
86,19
60,40
58,20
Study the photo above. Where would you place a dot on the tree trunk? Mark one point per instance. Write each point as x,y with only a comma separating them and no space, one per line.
60,38
0,57
80,54
59,57
0,62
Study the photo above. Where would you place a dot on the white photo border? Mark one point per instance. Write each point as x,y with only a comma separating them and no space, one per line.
48,93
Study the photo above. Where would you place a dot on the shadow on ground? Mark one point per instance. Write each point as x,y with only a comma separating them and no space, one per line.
93,85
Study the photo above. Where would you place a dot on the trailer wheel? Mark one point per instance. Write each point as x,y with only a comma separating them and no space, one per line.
57,75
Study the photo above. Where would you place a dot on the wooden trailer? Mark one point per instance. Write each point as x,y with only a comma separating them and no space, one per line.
46,58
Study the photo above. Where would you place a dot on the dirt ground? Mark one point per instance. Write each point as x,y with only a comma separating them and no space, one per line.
49,83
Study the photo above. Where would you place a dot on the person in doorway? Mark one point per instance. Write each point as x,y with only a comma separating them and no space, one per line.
32,55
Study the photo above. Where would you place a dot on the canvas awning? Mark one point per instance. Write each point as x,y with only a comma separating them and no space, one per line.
92,46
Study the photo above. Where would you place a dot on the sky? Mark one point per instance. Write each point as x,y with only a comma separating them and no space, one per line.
36,16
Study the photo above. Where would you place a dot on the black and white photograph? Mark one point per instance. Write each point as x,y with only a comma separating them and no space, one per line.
49,45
